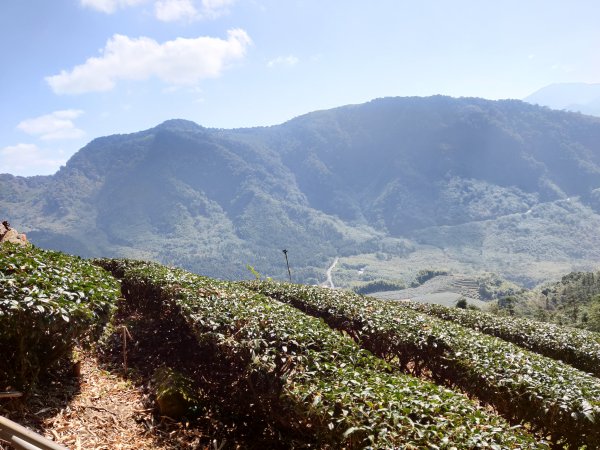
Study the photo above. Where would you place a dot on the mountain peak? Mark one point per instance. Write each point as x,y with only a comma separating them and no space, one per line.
582,97
179,125
466,184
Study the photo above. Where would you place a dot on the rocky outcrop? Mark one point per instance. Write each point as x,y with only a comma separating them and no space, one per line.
9,234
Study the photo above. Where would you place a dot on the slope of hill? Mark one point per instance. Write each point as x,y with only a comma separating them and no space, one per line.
572,301
262,364
465,184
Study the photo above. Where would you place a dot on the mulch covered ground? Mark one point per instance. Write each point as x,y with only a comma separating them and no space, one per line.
101,410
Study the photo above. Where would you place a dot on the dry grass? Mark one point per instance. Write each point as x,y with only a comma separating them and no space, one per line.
100,410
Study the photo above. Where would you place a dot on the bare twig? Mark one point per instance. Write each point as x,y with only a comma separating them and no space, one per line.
125,334
11,394
97,408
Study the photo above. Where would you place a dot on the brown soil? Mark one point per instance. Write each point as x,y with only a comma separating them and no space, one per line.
100,411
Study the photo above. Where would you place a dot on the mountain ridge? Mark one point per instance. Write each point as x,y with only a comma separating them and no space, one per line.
455,179
578,97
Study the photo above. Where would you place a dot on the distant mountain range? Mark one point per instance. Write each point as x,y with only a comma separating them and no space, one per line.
577,97
392,186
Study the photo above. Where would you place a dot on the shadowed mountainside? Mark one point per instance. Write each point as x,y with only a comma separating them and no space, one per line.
473,184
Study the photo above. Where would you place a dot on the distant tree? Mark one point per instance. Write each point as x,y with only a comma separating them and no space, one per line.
508,304
462,303
379,286
426,275
574,307
541,315
594,314
584,318
545,292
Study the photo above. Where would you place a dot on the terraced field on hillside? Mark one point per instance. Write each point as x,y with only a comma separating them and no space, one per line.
442,290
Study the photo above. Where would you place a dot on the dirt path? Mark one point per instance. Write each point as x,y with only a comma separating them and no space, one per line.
108,412
329,281
101,411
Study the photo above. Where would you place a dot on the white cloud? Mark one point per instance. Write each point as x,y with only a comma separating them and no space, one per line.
172,10
211,9
180,62
289,61
28,159
168,10
56,125
110,6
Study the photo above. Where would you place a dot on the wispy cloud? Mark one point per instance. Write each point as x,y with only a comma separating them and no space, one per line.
168,10
56,125
211,9
565,68
288,61
110,6
28,159
179,62
174,10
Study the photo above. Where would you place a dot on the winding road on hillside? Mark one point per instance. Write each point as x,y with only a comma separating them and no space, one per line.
329,281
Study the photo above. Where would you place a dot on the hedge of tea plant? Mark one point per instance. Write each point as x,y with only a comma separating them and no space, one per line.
525,386
48,302
579,348
308,379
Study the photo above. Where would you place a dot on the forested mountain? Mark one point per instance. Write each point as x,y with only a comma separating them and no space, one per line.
467,184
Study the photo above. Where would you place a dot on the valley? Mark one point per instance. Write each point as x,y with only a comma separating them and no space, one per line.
254,224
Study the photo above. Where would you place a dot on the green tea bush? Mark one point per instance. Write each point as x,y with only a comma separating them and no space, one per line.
311,381
576,347
48,301
522,385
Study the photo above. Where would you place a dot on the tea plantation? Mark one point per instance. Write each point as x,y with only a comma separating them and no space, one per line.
48,302
307,367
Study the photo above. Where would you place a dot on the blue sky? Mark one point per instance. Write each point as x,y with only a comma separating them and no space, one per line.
73,70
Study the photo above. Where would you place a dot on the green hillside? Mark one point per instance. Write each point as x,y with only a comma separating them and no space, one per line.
465,185
572,301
